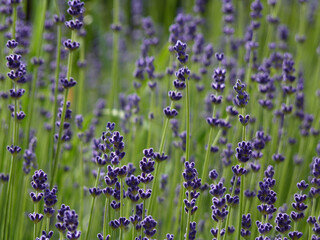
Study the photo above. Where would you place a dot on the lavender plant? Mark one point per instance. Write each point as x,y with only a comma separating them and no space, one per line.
189,119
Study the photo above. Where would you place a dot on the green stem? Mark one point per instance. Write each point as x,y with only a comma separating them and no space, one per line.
218,233
156,172
133,233
227,223
34,231
121,205
241,183
35,224
35,70
92,204
164,132
243,127
14,21
57,155
21,219
150,120
312,215
188,122
82,174
105,221
240,204
206,159
188,220
81,78
55,105
144,207
280,137
59,143
180,211
8,200
114,87
15,141
48,225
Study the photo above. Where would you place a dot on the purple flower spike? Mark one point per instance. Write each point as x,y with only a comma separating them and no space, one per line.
71,46
95,192
68,84
219,56
100,237
244,120
213,174
74,24
169,236
180,48
170,113
39,180
302,185
12,44
175,96
76,8
283,223
13,61
35,217
73,235
295,235
238,171
242,97
213,122
149,225
244,151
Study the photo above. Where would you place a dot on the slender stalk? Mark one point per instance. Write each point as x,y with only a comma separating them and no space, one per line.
144,207
34,230
206,159
244,128
35,224
227,223
121,205
218,233
21,219
81,78
175,180
156,172
114,89
240,204
180,211
241,183
188,219
47,224
164,132
312,215
8,202
57,155
151,120
69,72
14,21
188,121
81,184
92,204
109,231
105,218
133,233
230,210
35,70
55,105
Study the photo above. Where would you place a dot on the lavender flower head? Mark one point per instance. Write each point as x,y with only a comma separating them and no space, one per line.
242,97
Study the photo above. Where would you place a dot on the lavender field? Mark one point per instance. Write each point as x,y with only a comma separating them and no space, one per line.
160,119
